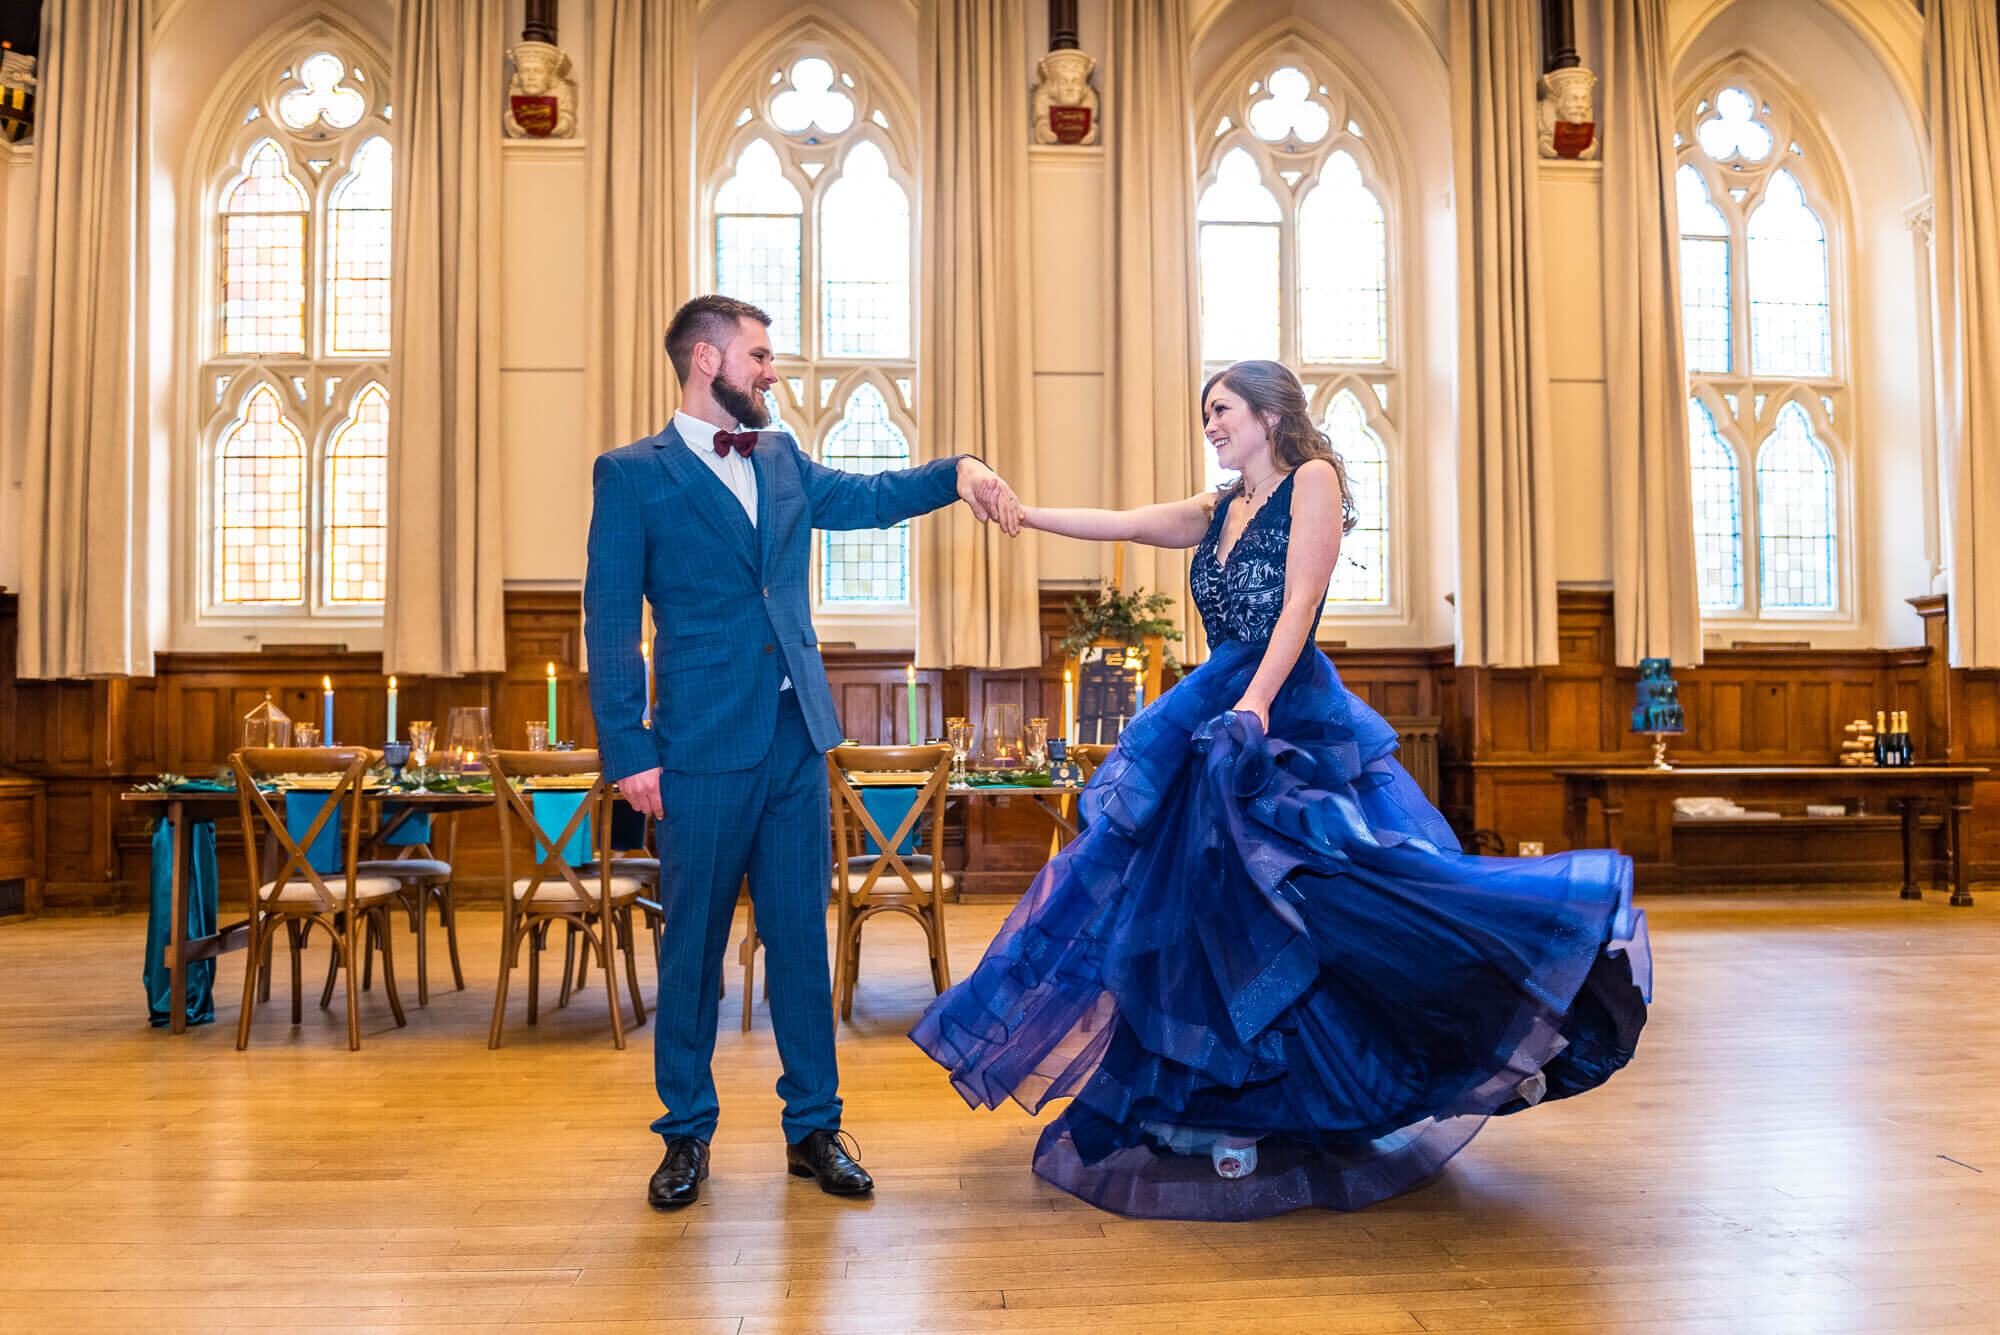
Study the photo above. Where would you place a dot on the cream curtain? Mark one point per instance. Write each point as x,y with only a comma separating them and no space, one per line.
444,614
1506,598
978,588
1962,71
1152,426
1657,603
86,591
639,136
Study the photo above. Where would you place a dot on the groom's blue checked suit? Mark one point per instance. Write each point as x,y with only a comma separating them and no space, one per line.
744,781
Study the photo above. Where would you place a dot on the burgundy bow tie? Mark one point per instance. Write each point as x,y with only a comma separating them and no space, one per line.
740,441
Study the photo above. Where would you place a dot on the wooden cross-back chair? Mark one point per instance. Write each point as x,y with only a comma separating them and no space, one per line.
865,884
594,898
346,904
425,879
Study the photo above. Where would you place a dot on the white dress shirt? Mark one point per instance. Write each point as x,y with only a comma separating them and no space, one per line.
733,470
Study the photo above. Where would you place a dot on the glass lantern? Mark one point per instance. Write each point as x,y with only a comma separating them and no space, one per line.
468,736
1000,740
266,726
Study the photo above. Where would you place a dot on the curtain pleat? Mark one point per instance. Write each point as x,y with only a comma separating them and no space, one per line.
87,593
1506,598
978,590
443,615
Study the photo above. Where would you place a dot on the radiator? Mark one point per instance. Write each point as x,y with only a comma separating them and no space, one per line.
1420,752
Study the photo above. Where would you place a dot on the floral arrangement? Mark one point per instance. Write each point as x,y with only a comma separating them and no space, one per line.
1122,618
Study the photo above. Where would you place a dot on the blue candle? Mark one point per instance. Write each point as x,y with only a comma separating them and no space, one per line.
326,728
646,652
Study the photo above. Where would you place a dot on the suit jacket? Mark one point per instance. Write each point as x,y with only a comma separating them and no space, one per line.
732,610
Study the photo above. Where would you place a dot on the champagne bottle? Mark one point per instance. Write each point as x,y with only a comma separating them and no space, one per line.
1905,751
1881,738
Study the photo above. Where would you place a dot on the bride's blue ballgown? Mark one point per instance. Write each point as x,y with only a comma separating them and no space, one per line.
1276,937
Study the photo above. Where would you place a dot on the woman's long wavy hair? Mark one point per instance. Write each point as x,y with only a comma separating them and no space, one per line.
1271,390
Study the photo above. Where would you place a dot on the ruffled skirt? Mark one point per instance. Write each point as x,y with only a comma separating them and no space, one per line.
1276,939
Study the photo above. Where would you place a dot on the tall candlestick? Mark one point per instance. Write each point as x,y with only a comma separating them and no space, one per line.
326,730
1069,707
553,734
910,695
392,709
646,652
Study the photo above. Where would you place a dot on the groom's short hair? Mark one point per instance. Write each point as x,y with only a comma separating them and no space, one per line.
712,320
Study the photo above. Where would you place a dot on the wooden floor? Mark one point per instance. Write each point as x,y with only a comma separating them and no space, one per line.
1809,1141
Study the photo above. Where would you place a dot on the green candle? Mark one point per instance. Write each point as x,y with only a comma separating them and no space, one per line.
910,679
553,734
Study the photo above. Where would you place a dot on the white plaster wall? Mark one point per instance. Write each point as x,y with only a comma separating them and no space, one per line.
17,318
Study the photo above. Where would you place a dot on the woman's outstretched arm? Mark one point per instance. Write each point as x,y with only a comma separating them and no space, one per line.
1169,524
1315,546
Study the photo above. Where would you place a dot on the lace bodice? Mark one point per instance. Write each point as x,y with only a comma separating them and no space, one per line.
1240,600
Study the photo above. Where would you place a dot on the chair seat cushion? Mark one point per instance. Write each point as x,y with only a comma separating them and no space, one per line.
367,889
624,889
406,869
889,882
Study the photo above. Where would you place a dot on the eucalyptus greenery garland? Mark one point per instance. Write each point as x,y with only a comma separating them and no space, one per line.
1122,618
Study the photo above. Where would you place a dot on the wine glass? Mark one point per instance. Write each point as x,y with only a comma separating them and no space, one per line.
959,733
1035,742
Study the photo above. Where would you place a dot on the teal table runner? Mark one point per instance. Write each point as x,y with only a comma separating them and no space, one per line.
301,810
888,806
553,808
201,912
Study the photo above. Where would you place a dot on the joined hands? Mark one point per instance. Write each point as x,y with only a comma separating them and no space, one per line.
991,499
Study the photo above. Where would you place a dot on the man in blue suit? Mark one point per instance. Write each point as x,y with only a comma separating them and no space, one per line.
711,521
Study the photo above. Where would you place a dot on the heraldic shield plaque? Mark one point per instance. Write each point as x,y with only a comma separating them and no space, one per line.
535,115
1071,125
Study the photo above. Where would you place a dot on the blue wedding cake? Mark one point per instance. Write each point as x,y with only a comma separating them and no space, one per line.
1659,706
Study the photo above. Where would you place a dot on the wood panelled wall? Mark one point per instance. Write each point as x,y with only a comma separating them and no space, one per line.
1503,733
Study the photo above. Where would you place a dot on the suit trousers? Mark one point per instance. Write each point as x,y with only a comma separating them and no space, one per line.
770,821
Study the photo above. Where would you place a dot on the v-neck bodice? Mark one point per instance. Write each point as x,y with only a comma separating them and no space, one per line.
1239,599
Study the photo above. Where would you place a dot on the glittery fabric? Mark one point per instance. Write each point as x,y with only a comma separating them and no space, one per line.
1277,936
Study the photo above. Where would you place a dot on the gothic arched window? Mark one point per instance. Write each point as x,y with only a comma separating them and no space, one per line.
1761,322
291,376
810,219
1294,248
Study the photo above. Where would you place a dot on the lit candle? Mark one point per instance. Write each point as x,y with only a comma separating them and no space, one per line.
646,652
552,705
392,709
326,730
1069,707
910,694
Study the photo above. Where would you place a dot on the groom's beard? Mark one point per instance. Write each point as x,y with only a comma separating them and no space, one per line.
749,410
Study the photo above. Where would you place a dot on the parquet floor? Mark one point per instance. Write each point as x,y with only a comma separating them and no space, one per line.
1809,1142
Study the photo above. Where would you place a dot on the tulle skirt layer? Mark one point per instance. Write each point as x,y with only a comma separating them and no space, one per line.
1276,937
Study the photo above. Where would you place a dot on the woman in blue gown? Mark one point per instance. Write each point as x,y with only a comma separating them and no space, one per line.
1264,974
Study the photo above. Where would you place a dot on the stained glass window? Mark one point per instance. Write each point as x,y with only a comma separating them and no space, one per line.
264,257
1791,329
865,565
1795,516
1362,575
358,218
1755,279
261,539
295,469
813,222
1294,233
864,259
1238,220
1704,275
1718,513
1343,268
758,229
357,547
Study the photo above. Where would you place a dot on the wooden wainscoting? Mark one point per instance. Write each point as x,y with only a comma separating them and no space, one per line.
1499,736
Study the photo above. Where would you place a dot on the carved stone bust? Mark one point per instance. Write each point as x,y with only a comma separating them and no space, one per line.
541,75
1065,82
1565,100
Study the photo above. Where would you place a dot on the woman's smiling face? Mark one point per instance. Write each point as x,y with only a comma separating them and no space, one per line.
1233,427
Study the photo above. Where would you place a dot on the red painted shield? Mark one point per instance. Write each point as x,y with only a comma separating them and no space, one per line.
1069,124
1572,138
536,115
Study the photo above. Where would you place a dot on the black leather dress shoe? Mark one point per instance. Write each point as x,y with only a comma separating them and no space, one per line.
829,1156
677,1181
